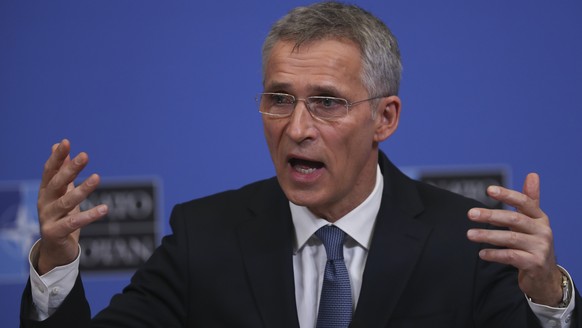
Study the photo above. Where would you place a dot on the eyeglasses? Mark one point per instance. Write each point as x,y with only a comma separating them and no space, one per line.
325,108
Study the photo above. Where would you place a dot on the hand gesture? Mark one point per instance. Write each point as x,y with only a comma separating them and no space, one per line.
528,243
59,214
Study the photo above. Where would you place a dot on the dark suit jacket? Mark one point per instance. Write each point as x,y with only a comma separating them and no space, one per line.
229,264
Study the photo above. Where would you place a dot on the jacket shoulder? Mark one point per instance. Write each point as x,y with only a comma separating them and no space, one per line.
431,194
232,205
243,195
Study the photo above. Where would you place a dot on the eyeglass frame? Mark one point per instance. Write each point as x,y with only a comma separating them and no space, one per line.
347,105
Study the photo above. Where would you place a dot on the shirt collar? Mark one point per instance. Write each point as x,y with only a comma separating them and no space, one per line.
358,224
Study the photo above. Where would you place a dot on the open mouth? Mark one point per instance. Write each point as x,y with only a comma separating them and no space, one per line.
304,166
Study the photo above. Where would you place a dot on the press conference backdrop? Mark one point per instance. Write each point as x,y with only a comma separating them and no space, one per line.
164,91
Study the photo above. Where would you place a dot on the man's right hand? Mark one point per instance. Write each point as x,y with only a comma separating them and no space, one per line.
59,214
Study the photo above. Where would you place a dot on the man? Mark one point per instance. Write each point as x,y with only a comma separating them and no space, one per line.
261,256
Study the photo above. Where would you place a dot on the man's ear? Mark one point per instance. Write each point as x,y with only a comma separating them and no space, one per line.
387,117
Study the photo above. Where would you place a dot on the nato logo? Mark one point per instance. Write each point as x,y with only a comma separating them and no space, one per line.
18,229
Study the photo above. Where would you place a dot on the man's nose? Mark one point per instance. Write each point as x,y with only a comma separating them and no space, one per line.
301,122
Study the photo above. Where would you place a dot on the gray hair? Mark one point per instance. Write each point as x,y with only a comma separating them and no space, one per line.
381,66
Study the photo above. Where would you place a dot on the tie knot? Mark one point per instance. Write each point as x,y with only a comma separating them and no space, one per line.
333,241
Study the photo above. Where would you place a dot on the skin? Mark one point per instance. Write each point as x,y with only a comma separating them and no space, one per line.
346,149
58,207
528,244
346,153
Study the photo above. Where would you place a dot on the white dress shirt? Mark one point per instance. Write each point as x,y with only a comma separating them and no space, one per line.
50,289
309,258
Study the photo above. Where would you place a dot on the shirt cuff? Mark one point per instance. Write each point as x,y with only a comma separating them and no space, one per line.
555,317
50,290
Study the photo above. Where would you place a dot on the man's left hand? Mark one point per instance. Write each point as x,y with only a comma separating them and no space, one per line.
528,243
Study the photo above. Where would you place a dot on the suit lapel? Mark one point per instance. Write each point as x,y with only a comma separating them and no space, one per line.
266,245
397,244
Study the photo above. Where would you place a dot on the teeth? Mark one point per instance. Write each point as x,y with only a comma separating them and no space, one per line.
304,170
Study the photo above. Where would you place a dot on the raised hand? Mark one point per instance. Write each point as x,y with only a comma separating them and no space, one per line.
59,214
528,245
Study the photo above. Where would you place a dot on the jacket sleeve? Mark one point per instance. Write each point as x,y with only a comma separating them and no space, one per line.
155,297
73,312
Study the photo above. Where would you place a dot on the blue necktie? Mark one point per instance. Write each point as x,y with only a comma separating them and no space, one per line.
335,305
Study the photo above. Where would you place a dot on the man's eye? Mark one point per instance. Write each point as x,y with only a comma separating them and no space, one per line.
328,102
281,99
325,102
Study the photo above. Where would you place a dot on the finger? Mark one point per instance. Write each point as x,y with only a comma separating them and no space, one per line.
503,218
59,153
513,257
73,198
522,202
70,224
60,182
531,186
508,239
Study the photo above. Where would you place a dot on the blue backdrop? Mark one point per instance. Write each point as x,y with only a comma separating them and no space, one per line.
166,89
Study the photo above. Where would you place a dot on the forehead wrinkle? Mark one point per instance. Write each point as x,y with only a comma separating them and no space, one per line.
310,70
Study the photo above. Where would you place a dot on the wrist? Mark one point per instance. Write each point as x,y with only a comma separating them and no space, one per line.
560,293
45,259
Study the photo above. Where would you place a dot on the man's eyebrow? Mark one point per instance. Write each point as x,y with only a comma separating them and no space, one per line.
314,90
277,87
325,90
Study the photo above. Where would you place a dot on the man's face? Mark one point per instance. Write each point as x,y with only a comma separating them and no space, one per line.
329,167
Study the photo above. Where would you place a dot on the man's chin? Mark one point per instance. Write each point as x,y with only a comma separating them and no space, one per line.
302,198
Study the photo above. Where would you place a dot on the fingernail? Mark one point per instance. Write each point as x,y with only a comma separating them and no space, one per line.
102,209
471,233
60,144
91,181
494,190
474,213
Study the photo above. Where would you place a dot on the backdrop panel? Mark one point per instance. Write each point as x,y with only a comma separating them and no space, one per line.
166,89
